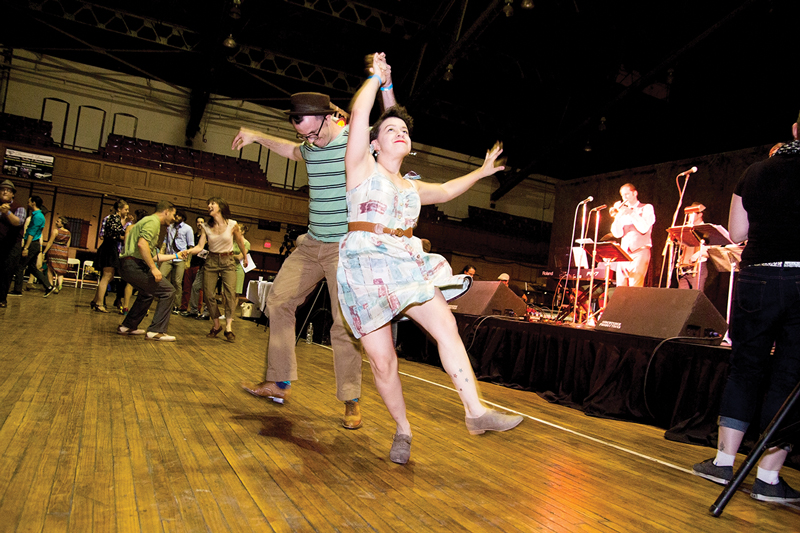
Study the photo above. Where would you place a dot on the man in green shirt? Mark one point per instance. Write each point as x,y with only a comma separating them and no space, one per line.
138,267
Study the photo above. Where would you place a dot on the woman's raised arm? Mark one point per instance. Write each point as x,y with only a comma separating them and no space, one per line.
358,161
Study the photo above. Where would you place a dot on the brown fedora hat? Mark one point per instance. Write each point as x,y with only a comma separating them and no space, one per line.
310,104
9,184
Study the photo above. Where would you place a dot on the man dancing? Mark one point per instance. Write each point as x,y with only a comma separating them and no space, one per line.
322,147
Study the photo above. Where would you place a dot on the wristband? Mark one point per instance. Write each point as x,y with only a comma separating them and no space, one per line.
176,255
388,87
380,81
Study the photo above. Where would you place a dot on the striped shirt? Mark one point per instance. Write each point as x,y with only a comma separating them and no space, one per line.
327,210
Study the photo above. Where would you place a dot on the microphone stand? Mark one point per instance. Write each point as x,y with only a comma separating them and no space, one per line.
578,271
569,257
669,245
589,315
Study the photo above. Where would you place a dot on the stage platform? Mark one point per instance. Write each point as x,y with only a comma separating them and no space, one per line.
672,384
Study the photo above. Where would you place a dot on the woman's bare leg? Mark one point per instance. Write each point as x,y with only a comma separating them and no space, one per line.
383,361
437,319
102,286
128,293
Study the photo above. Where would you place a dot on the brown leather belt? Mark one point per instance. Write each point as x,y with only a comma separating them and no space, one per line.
220,253
372,227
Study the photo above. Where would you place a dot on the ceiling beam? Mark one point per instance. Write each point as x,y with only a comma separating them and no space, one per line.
363,15
457,49
184,39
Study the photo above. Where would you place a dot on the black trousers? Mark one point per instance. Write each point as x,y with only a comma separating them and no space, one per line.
9,262
27,265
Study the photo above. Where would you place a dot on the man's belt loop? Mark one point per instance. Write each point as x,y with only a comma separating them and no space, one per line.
372,227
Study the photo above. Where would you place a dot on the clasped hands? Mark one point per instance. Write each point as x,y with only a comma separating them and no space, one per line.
376,64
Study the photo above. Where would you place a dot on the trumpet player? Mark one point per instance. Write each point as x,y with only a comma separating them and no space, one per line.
633,223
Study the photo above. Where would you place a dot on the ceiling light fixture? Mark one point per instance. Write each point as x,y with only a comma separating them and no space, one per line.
526,4
229,42
588,147
448,74
508,9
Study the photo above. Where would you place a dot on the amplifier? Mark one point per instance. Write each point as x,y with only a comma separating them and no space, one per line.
489,298
662,313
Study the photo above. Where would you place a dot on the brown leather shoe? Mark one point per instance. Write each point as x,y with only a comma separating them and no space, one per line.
268,389
352,415
229,336
214,331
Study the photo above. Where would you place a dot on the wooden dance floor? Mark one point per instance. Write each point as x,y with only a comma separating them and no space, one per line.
108,433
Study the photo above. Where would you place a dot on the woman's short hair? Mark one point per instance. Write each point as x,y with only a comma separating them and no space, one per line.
396,111
119,204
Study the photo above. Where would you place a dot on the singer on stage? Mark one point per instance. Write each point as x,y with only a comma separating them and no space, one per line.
633,222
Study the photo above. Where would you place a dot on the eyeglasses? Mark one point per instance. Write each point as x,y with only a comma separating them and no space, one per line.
312,136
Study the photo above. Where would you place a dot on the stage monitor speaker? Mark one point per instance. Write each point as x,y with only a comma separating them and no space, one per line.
489,298
662,313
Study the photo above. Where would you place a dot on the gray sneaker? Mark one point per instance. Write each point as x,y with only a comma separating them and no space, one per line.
780,493
712,472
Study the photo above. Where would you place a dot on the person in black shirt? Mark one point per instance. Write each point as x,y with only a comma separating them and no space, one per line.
764,211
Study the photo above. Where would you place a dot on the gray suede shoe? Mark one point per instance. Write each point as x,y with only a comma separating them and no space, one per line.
492,421
401,449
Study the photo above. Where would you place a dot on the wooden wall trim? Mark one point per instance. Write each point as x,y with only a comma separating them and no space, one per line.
89,173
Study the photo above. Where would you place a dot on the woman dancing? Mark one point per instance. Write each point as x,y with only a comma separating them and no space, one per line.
220,231
57,254
108,252
383,270
238,255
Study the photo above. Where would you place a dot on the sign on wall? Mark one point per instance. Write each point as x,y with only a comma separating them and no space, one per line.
27,165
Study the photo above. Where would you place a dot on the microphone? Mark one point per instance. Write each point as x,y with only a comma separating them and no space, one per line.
587,200
690,171
600,208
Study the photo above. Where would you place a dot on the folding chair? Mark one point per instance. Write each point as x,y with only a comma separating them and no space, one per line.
87,264
73,262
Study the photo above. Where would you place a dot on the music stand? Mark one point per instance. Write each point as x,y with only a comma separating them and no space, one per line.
686,235
713,234
610,252
694,236
727,259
